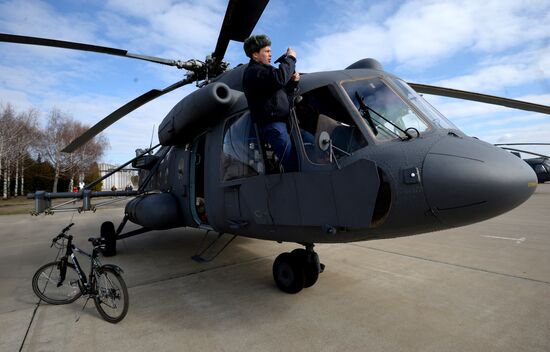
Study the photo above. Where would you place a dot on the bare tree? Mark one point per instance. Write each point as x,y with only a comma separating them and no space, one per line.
6,125
80,160
61,129
20,138
25,144
17,139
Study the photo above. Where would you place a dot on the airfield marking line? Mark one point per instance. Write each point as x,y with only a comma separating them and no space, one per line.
518,240
451,264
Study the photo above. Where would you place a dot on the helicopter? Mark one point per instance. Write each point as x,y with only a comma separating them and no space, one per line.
384,162
540,163
541,166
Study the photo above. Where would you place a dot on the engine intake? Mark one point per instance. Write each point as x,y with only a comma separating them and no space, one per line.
195,113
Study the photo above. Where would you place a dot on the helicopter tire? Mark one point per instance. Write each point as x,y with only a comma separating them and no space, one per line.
288,273
309,262
108,233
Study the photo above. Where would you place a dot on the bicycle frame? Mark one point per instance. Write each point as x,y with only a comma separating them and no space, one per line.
85,282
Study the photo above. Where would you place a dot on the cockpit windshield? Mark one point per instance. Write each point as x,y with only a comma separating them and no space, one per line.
387,114
421,104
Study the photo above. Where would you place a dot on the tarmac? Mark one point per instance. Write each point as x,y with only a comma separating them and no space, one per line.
484,287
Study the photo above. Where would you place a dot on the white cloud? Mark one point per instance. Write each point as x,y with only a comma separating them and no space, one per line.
506,72
38,18
422,32
139,8
466,109
180,30
475,116
17,99
531,133
339,50
503,45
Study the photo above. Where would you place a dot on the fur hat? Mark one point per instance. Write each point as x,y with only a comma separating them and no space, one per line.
254,43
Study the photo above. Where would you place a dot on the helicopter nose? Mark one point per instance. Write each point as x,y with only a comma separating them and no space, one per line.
466,180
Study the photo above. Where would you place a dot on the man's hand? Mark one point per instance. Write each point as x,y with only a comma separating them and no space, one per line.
291,52
295,77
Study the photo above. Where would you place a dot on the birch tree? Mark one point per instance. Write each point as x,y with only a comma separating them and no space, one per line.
17,139
25,144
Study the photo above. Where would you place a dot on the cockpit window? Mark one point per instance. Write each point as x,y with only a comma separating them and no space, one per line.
421,104
383,110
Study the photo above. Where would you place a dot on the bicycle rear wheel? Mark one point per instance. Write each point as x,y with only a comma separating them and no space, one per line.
47,284
111,299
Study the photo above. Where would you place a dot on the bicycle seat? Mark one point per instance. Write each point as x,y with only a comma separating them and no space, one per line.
96,241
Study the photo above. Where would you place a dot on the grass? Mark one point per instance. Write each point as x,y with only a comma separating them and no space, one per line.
16,205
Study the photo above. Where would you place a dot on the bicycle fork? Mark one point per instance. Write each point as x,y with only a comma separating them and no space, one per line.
62,270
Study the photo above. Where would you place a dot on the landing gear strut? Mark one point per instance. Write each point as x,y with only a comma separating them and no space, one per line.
297,270
110,235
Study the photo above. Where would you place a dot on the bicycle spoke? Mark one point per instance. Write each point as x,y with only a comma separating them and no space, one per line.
47,285
112,297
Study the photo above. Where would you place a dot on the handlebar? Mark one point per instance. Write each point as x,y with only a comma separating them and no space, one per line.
62,234
97,242
67,228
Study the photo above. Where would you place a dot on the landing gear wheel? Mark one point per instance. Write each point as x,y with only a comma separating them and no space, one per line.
288,273
108,233
310,264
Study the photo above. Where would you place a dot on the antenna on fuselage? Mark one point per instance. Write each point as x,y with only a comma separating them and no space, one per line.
152,134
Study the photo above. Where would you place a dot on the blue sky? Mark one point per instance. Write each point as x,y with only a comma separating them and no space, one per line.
495,47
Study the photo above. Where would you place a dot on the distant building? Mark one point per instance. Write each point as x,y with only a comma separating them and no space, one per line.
120,179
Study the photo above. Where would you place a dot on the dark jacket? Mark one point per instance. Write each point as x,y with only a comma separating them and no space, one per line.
267,90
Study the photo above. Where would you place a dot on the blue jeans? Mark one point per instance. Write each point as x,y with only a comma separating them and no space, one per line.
276,134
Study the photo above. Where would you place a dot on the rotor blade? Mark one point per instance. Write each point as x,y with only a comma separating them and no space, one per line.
526,152
483,98
239,21
121,112
499,144
20,39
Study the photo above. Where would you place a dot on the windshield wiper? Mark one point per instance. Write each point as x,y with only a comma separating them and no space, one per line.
364,109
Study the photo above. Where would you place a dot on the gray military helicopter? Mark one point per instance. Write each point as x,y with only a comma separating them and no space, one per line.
384,162
540,163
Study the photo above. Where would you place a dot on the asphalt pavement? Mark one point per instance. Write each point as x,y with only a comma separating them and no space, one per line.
484,287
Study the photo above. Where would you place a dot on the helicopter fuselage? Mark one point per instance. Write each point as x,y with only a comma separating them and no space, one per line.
384,164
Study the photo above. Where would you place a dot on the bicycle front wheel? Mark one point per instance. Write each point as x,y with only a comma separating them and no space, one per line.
111,299
48,286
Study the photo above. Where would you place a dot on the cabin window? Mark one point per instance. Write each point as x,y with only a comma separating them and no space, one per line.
327,127
241,156
384,112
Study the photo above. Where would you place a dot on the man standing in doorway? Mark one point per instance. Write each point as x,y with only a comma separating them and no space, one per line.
268,90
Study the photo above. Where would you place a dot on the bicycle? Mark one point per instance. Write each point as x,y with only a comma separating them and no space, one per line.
62,282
